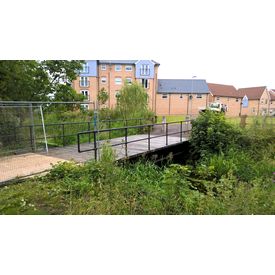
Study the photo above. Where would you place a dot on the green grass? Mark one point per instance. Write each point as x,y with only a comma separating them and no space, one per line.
172,118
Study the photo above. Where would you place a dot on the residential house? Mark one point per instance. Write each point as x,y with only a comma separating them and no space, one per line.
227,95
181,96
258,100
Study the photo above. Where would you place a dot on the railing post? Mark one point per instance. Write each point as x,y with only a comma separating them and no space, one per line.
166,133
95,145
109,125
63,134
78,142
126,140
149,139
89,129
181,131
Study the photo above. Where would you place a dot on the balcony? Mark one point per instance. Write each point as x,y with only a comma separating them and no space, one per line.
84,83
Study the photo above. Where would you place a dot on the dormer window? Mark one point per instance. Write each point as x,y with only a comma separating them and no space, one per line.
85,69
145,69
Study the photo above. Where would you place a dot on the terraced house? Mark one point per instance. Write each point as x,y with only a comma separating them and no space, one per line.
244,101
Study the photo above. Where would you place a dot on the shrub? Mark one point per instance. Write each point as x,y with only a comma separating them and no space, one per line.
212,134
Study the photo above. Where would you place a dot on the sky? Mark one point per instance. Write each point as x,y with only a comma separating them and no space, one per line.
228,42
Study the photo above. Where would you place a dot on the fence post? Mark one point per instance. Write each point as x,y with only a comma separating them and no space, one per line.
63,134
95,145
149,139
181,131
32,133
126,140
31,137
166,133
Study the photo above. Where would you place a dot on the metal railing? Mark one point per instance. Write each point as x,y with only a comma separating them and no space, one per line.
24,137
148,127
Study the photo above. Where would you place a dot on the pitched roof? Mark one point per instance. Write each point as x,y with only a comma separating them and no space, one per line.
122,62
182,86
252,92
222,90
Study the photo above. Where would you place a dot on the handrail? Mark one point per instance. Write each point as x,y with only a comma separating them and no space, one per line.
126,142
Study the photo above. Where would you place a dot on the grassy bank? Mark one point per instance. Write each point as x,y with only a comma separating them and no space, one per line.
231,172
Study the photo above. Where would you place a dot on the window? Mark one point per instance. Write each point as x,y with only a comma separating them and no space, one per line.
181,96
85,93
117,68
218,98
253,110
103,79
145,83
85,106
118,81
145,69
117,94
128,80
85,69
128,68
84,81
265,101
199,96
237,100
164,96
103,67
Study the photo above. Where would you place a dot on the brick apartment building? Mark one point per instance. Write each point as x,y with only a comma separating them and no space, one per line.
169,96
113,74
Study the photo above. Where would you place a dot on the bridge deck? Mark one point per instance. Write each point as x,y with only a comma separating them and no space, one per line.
23,165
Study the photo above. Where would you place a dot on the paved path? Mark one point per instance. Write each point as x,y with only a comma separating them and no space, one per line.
33,163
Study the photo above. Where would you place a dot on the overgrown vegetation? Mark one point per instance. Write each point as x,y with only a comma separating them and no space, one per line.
237,178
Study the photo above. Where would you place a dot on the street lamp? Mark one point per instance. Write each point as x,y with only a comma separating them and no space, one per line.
191,95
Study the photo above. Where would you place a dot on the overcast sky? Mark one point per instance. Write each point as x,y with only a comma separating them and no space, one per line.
229,42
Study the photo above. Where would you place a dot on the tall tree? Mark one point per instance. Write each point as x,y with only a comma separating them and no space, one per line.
31,80
132,101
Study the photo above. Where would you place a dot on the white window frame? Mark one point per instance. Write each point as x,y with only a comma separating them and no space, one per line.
85,106
118,68
84,81
103,80
145,69
86,93
164,96
143,82
85,68
199,96
181,95
128,68
127,80
103,67
118,82
217,98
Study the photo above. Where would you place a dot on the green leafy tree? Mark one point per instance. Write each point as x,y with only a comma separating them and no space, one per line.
132,101
102,96
32,80
212,134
